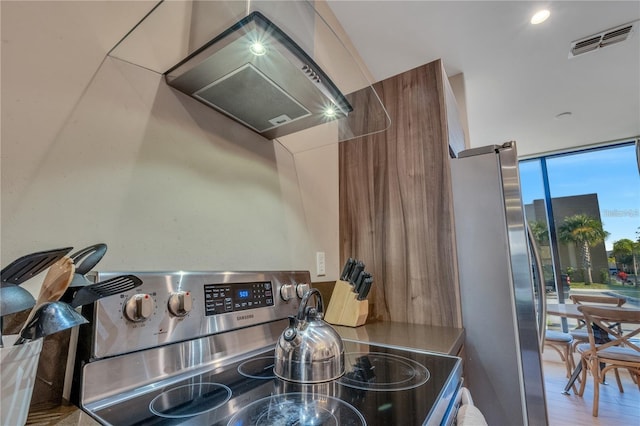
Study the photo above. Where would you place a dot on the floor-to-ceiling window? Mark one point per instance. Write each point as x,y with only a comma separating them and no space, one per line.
583,209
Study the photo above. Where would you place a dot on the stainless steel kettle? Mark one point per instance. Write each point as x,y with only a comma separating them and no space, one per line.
309,350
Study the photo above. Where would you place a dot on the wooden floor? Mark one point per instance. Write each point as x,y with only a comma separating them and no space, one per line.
616,409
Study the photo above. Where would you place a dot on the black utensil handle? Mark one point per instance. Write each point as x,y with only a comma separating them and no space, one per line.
31,265
69,294
365,288
91,293
360,281
347,269
87,258
355,272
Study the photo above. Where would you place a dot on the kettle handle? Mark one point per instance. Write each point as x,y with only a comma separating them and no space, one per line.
302,310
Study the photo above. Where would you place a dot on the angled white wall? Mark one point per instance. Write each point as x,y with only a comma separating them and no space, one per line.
99,150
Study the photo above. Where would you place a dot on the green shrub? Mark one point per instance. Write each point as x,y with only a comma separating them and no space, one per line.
571,272
604,275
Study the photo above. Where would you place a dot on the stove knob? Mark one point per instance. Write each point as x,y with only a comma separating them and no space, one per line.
180,303
139,307
301,289
286,292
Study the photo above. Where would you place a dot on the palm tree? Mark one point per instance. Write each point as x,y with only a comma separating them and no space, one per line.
623,250
584,231
539,231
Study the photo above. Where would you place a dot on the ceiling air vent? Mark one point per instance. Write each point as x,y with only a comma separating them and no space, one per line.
604,39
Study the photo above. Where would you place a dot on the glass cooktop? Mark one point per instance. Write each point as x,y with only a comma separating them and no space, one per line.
381,385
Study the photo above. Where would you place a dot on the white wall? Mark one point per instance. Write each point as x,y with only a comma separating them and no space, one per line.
105,152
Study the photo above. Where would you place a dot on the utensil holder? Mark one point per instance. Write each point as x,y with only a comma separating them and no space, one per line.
345,308
18,365
51,371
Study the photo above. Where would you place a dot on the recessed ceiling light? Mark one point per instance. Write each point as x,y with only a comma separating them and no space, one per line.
563,115
257,48
540,17
330,112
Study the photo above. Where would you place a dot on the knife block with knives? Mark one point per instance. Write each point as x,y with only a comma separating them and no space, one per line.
348,305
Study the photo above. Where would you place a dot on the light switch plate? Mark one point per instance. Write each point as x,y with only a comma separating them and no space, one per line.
320,263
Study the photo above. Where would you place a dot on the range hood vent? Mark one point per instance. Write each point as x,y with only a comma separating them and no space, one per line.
256,74
603,39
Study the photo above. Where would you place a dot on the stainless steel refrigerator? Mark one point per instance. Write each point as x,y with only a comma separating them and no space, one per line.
502,309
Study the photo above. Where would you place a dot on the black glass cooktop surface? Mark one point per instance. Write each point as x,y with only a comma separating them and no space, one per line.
381,386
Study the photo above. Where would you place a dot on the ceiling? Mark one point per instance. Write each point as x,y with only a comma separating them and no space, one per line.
517,76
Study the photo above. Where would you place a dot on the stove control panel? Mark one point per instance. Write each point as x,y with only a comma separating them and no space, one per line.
177,306
224,298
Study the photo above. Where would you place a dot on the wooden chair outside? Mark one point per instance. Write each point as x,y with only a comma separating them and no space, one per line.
619,352
580,299
561,343
579,333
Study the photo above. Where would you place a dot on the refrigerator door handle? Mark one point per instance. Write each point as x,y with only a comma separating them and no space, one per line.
539,282
638,153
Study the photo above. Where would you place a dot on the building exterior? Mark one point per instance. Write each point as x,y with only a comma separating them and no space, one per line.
570,256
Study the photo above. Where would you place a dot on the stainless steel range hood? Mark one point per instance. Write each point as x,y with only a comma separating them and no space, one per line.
256,74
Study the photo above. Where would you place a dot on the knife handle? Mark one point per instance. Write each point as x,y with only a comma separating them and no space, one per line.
356,271
364,291
359,281
346,271
365,288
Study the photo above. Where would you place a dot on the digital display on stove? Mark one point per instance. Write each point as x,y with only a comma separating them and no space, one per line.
234,297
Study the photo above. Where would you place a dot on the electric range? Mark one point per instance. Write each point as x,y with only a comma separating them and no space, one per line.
197,348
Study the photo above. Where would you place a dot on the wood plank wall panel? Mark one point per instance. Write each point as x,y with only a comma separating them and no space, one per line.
396,209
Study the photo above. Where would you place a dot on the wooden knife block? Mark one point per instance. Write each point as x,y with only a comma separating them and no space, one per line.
345,308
